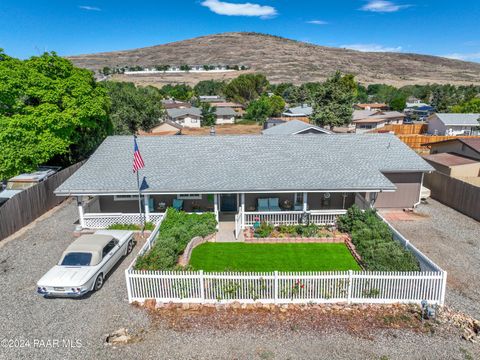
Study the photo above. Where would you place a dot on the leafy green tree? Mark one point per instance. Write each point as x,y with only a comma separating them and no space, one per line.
49,111
181,92
185,67
133,108
162,67
246,87
259,110
472,106
398,102
209,114
106,71
209,87
277,105
333,101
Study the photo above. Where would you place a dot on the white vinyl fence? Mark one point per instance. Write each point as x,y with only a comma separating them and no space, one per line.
317,217
280,287
104,220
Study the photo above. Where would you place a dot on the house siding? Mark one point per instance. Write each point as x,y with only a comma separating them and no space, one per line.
407,193
454,147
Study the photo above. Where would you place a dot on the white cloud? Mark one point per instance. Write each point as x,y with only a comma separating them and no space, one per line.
89,8
372,48
245,9
464,57
317,22
382,6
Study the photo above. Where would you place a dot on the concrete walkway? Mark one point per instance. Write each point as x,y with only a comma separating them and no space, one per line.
226,231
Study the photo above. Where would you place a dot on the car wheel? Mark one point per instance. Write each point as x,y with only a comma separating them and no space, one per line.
129,247
98,282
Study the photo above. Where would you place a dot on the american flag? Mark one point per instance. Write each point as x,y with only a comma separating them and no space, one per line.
137,158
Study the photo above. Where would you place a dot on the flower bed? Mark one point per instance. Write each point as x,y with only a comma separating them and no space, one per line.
266,230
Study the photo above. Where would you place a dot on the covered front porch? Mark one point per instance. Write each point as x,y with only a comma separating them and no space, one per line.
243,209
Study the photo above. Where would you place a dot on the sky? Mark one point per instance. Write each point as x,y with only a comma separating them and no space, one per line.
69,27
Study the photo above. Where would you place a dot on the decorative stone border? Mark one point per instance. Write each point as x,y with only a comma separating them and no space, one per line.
184,259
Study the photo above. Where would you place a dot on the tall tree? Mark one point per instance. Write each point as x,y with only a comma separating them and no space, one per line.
180,92
246,87
209,87
333,101
265,106
133,108
209,114
48,109
472,106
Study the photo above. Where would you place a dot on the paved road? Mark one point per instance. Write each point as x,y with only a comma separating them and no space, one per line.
26,316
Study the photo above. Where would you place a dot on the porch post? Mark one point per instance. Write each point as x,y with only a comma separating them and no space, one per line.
81,211
215,208
305,201
242,205
146,198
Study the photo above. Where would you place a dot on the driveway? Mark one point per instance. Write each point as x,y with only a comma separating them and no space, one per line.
452,240
45,327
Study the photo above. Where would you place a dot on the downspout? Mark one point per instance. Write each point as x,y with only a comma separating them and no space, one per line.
419,193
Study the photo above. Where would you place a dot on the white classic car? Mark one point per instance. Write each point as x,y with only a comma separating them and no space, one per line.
85,263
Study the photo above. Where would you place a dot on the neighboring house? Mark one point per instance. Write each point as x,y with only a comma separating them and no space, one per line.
454,124
295,127
367,120
372,106
467,147
239,108
302,111
168,127
174,104
418,110
211,98
186,117
225,115
236,174
454,165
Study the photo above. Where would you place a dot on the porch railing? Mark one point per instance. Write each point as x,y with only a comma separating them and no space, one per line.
104,220
317,217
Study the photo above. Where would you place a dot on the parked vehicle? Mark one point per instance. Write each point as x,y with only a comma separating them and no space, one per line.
85,264
21,182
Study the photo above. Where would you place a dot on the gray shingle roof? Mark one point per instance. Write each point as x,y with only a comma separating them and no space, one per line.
174,113
459,119
300,110
183,164
225,111
293,127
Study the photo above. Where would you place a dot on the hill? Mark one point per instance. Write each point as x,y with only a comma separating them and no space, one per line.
283,60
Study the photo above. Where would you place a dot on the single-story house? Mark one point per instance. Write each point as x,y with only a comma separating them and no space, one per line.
174,104
454,124
225,115
295,127
371,106
454,165
186,117
211,98
367,120
468,147
249,176
239,108
168,127
302,111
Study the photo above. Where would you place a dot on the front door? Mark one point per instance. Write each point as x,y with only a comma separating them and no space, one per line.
228,202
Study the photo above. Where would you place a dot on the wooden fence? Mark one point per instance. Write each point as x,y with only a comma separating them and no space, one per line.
401,129
457,194
26,206
287,287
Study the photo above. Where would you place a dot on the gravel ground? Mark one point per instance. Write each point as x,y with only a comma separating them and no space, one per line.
26,316
452,240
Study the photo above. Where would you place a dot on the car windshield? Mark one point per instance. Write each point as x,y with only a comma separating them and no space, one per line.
17,185
77,259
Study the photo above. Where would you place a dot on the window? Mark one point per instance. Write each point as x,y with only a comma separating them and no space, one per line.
77,259
193,120
189,196
298,198
111,244
125,197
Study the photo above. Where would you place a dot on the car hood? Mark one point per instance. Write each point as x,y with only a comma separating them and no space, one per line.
67,276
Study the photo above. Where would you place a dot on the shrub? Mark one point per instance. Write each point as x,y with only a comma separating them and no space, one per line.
148,226
176,231
374,242
264,230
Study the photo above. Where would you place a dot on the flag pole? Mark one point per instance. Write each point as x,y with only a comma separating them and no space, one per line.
142,219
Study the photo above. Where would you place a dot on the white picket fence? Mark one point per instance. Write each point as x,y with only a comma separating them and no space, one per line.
104,220
317,217
292,287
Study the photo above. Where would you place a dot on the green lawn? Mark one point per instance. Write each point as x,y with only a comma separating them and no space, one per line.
271,257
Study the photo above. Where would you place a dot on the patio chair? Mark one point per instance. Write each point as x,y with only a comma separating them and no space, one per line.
262,205
273,204
177,204
298,207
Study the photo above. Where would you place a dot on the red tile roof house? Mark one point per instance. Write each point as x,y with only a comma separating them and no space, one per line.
238,175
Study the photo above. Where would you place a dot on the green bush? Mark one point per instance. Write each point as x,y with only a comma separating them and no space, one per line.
148,226
264,230
176,231
374,242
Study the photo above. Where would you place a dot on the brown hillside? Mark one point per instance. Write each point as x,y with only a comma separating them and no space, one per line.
283,60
